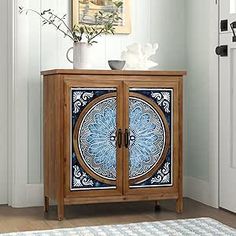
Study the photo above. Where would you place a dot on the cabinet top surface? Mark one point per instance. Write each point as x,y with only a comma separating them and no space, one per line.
113,72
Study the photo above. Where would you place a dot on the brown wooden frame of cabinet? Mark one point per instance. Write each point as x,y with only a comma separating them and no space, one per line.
56,84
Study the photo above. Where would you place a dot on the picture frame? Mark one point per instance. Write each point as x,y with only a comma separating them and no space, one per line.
87,8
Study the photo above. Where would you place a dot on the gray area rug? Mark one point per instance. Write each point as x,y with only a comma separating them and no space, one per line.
200,226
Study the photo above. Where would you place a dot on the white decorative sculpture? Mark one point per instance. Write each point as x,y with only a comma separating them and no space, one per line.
137,56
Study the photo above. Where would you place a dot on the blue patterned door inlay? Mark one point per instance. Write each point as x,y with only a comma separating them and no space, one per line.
97,138
150,137
93,151
147,137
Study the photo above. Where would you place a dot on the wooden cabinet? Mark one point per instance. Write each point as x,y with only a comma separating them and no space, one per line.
112,136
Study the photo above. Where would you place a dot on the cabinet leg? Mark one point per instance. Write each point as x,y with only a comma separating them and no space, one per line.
179,205
157,206
46,204
60,212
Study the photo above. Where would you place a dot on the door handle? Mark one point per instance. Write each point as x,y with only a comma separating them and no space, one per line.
119,138
127,138
222,50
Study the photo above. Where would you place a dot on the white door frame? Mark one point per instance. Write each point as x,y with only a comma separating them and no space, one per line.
21,194
214,106
11,97
3,105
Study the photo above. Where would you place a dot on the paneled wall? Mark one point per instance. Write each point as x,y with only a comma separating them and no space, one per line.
152,21
3,102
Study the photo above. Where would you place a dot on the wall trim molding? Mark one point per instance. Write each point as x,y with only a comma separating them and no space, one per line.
199,190
10,99
4,101
34,194
29,195
17,106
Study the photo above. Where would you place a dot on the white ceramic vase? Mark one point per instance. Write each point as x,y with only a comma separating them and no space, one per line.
81,55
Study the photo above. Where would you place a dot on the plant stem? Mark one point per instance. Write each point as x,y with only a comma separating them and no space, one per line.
90,39
51,23
60,19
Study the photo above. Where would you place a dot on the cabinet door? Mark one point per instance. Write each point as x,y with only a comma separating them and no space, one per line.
94,138
152,137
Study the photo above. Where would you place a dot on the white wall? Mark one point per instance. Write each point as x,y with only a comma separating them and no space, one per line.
168,27
201,162
197,87
38,48
3,102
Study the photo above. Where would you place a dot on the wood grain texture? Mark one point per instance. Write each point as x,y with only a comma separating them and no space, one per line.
179,202
113,72
57,87
124,198
156,82
53,142
68,84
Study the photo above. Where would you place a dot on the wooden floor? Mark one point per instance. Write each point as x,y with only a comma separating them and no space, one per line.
86,215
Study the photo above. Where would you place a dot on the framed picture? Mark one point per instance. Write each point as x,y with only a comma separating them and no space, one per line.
84,12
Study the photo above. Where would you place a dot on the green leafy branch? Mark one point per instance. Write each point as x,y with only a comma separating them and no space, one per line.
104,23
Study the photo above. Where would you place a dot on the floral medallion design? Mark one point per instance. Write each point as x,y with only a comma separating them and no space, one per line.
94,149
97,138
147,137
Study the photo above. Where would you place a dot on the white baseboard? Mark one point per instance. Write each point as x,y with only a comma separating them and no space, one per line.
29,195
34,195
199,190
